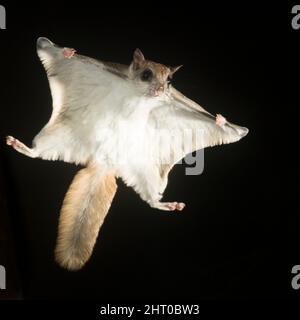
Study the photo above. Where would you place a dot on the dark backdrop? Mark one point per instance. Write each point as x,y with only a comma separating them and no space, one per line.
237,236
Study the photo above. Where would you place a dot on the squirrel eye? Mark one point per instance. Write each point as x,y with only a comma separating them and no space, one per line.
146,75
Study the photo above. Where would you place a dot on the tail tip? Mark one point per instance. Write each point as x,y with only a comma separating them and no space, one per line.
72,261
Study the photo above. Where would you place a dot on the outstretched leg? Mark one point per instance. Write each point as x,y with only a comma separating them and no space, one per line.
168,206
20,147
150,185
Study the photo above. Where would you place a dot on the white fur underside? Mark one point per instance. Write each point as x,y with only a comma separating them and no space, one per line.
100,117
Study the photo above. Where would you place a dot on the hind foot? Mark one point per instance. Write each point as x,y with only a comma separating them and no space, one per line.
20,147
169,206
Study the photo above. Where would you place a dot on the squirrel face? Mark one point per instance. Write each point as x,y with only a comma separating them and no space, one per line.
152,78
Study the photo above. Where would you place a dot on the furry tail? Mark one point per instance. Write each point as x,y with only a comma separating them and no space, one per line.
84,209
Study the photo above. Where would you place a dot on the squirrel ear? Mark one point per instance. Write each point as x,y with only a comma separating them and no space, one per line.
174,69
138,58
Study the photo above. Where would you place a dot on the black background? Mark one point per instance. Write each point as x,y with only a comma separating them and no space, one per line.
237,237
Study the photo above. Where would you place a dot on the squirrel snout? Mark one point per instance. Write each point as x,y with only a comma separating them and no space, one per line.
159,90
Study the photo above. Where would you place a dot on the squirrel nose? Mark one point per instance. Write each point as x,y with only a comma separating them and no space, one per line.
159,90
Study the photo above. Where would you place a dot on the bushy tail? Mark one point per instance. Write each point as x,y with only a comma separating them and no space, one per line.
84,209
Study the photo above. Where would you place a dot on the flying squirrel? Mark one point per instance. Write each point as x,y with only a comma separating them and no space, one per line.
117,121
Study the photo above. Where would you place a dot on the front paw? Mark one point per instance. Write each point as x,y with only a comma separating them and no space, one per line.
169,206
68,52
220,120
